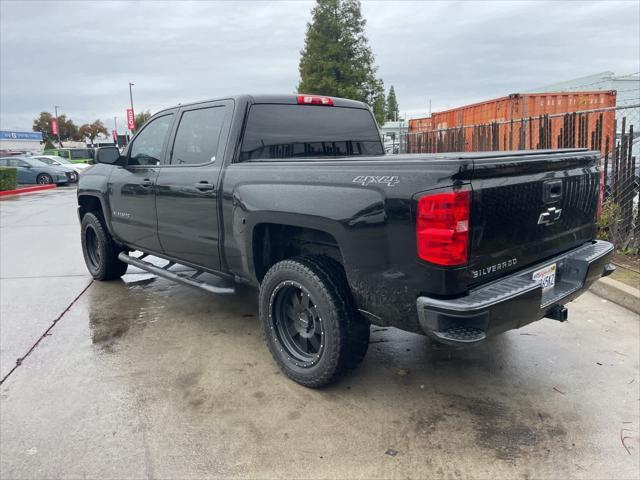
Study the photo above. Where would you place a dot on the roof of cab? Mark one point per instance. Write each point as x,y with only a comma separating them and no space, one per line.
287,99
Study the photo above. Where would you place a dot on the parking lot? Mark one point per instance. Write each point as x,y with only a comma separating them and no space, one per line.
143,378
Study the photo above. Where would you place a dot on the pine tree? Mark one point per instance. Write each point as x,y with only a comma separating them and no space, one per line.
379,108
336,59
392,106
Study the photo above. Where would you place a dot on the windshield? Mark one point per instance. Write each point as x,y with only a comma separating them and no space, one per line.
48,161
34,162
60,159
294,131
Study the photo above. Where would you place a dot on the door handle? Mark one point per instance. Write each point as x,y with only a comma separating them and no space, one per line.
204,186
146,183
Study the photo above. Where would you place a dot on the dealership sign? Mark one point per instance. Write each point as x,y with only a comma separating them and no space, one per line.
8,135
131,119
54,127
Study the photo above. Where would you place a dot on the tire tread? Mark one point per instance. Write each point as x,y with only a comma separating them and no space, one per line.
351,330
111,267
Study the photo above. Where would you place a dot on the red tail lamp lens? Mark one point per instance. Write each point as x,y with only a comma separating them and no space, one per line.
442,227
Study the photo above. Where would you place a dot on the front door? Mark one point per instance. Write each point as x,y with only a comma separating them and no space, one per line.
133,187
187,197
25,173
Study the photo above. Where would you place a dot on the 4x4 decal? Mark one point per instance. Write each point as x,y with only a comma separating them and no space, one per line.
388,180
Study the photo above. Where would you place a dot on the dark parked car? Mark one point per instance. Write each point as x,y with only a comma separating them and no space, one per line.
29,171
293,194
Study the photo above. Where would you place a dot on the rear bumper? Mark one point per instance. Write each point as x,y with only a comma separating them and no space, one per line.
516,300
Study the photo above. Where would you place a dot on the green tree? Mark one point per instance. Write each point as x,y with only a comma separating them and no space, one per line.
336,59
66,128
393,111
92,130
142,118
379,108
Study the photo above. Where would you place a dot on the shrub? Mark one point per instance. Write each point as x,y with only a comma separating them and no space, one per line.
608,221
7,178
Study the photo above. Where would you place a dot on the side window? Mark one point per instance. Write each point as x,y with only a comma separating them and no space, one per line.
198,136
4,162
147,147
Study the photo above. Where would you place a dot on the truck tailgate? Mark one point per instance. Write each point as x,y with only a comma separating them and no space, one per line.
526,208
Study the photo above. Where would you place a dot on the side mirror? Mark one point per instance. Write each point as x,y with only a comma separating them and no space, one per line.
108,155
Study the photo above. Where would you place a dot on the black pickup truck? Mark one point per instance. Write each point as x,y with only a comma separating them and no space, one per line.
293,194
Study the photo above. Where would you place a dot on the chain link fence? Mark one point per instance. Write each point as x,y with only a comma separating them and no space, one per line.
614,131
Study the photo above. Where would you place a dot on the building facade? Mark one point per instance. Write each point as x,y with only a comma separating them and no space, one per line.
14,141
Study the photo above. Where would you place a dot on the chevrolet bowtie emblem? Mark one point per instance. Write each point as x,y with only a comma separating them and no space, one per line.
551,215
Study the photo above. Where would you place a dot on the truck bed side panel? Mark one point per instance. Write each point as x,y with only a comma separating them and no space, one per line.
365,204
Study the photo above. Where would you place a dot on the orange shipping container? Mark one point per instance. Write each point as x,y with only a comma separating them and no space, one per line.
515,106
511,113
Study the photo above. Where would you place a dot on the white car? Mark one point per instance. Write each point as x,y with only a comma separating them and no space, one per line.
57,161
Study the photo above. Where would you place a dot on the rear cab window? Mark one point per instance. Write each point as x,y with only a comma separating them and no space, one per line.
275,131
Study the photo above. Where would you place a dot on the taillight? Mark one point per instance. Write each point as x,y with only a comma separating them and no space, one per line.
600,195
442,227
315,100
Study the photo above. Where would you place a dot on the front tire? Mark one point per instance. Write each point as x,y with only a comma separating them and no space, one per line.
310,322
99,249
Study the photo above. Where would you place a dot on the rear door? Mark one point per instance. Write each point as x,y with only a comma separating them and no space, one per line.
187,187
529,207
132,188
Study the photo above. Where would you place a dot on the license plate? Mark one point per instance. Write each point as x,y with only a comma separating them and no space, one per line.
546,277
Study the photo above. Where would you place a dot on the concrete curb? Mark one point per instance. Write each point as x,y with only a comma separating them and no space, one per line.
618,292
23,190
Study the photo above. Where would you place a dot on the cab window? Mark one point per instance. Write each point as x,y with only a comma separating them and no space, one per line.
198,136
148,146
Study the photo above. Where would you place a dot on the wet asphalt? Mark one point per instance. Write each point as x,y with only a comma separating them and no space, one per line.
142,378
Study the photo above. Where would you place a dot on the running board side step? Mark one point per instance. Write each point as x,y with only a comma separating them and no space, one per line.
179,277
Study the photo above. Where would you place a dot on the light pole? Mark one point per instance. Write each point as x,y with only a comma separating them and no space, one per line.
131,100
56,107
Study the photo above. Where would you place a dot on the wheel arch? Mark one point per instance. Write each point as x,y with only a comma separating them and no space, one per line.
90,203
273,241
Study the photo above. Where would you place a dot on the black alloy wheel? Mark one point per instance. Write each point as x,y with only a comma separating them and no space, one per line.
297,322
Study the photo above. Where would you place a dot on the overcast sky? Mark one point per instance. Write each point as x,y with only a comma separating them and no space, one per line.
81,55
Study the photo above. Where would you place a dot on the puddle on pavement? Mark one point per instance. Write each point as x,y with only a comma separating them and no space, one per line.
116,308
120,308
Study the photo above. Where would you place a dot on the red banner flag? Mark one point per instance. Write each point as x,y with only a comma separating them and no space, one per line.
115,135
131,119
54,127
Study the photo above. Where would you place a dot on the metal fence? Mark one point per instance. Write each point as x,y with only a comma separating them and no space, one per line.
614,131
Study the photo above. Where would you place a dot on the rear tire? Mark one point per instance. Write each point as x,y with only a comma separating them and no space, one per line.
309,320
99,249
44,179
